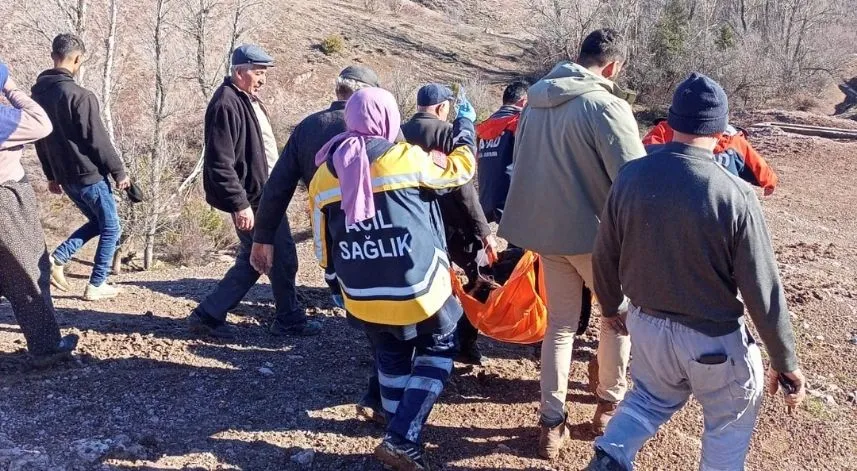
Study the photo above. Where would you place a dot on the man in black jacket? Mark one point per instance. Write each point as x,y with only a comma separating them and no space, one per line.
77,159
297,163
467,230
239,151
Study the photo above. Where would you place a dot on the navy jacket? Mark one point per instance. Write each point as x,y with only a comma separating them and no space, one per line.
494,163
462,215
297,163
393,269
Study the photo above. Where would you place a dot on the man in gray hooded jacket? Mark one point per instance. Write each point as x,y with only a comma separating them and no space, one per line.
575,134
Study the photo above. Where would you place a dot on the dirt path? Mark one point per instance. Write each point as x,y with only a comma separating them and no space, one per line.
144,395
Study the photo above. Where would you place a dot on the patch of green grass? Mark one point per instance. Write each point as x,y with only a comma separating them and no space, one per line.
334,44
816,408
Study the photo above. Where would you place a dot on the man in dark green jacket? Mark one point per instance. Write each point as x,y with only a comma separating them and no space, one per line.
573,137
297,164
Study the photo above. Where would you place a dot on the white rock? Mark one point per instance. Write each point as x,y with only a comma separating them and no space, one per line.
266,371
91,450
268,364
829,400
820,338
304,458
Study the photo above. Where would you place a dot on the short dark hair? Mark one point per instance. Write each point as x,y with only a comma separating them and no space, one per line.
602,47
66,44
515,91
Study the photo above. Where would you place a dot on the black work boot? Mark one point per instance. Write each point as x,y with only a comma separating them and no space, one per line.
604,462
304,329
60,353
470,355
203,326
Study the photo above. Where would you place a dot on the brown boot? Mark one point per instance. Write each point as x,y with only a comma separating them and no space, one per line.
603,413
552,439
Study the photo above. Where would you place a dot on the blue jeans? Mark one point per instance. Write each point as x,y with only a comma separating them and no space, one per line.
97,204
412,374
242,276
668,365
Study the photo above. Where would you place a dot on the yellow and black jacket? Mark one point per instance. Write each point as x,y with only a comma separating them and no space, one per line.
392,269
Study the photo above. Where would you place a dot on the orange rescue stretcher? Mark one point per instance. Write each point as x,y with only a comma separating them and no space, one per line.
515,312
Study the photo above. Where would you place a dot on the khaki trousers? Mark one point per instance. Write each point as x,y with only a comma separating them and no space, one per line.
564,279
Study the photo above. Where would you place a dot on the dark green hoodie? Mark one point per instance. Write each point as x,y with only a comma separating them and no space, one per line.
573,137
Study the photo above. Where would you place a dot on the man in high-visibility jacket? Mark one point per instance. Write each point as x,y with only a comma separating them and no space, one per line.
733,151
379,235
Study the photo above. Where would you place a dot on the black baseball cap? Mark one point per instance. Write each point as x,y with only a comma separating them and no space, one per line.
362,74
251,54
434,94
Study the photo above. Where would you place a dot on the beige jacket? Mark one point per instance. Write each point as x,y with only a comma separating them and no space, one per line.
574,136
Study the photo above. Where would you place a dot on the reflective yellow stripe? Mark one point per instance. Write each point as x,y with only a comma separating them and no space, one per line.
406,312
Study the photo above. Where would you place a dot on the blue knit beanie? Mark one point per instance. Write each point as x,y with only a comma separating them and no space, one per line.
700,107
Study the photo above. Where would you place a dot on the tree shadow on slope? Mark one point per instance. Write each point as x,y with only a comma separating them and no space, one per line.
176,409
215,399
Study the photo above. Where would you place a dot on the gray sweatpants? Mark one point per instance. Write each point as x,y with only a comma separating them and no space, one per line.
25,268
669,363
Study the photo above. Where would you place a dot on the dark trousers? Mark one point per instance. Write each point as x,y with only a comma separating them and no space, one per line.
412,374
25,267
463,253
242,276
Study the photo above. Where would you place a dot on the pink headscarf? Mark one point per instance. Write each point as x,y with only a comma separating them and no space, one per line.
369,113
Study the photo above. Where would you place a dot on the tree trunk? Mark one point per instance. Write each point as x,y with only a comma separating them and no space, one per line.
80,13
235,35
149,252
159,114
107,77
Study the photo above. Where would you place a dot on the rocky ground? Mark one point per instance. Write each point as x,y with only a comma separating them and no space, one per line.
143,394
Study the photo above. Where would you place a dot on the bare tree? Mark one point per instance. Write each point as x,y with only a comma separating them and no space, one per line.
76,13
201,17
107,75
160,114
559,27
403,84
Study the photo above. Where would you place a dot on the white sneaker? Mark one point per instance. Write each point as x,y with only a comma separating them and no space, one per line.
105,291
58,280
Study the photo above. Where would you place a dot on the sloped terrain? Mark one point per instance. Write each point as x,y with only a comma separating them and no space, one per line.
145,395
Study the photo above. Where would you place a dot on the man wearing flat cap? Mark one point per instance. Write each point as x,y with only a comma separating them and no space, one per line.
240,151
467,229
273,249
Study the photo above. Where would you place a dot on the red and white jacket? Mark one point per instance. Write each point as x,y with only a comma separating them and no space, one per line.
733,151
